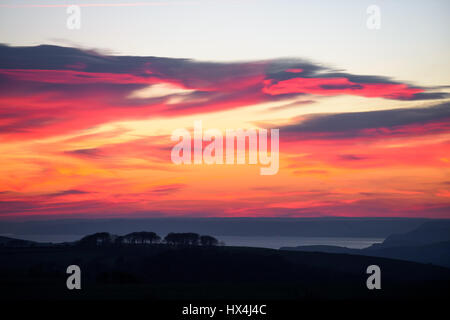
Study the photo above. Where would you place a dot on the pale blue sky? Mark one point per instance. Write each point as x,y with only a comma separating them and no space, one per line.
413,43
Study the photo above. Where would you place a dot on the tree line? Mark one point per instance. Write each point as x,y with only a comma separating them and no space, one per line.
148,238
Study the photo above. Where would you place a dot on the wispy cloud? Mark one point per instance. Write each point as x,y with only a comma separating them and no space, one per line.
50,90
73,142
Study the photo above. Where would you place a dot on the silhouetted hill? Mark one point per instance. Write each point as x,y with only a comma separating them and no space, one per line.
435,253
429,243
427,233
12,242
322,248
164,272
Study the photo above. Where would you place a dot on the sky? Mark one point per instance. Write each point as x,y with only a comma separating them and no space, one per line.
86,115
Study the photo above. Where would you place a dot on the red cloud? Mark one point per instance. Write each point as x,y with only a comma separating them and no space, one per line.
52,90
339,86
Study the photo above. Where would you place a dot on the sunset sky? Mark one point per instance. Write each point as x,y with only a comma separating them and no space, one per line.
86,115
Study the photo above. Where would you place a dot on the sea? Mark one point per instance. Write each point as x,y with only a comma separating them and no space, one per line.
273,242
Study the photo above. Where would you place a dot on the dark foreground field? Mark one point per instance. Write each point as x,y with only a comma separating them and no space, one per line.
160,272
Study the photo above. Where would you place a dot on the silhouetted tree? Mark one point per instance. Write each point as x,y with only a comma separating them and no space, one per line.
119,240
171,238
142,237
208,241
182,239
96,239
150,237
132,238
